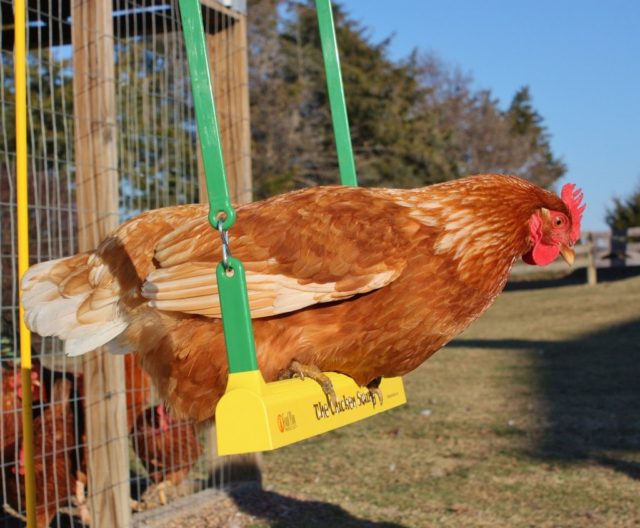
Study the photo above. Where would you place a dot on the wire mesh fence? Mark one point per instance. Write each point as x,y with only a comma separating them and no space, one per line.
156,165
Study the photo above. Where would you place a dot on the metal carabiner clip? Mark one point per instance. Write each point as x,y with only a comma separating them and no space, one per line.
226,251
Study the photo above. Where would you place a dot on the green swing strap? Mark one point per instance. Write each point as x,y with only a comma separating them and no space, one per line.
230,273
232,286
206,116
337,101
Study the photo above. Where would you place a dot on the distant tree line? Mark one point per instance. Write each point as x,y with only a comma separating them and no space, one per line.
413,122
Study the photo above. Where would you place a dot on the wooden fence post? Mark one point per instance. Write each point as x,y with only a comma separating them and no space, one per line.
228,60
96,158
592,272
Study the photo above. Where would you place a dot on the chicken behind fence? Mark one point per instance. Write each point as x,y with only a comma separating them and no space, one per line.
57,458
168,448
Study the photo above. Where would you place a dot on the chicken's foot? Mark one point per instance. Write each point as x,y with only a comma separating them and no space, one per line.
157,491
137,506
374,389
162,494
81,503
296,369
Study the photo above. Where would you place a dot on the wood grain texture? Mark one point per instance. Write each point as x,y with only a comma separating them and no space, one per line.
97,200
228,62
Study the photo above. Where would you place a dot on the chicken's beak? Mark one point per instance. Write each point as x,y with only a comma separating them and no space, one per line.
568,254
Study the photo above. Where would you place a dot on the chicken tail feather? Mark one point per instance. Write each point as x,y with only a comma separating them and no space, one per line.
62,298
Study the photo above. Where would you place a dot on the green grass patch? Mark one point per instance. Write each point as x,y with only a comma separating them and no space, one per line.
531,418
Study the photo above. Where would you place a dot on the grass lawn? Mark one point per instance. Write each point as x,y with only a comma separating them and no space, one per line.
531,418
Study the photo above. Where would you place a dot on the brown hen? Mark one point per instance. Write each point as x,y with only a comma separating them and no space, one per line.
365,282
12,401
168,448
55,459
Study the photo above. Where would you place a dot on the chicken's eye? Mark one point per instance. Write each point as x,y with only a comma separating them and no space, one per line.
558,221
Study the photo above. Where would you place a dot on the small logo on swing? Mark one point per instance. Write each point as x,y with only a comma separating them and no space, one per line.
286,422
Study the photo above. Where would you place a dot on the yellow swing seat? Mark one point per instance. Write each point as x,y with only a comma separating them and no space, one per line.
254,415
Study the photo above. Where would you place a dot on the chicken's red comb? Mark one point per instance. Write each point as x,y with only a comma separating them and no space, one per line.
164,418
572,198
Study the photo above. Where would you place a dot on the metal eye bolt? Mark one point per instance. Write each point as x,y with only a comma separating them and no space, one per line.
224,236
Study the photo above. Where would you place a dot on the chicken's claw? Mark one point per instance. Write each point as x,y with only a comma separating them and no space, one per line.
81,502
374,389
296,369
157,493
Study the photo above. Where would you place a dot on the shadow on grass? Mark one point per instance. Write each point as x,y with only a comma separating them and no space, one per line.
281,511
589,389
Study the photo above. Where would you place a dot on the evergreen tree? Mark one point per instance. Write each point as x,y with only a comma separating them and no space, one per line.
49,85
625,212
156,130
395,143
273,103
537,162
413,122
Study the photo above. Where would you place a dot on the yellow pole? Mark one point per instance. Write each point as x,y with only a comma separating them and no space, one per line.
20,61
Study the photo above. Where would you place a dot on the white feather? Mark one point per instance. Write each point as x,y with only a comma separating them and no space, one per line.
55,317
38,272
86,338
38,293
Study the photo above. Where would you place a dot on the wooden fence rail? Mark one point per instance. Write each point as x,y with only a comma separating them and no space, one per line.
596,249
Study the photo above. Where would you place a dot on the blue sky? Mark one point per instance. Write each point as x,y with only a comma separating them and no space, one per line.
581,60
